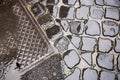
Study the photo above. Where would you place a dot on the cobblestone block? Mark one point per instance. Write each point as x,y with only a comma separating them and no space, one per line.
105,61
92,28
90,74
61,44
75,40
104,45
112,2
69,2
117,45
105,75
75,75
118,61
96,12
82,12
99,2
71,58
88,43
66,12
53,9
52,1
54,32
76,27
87,2
87,57
112,13
110,28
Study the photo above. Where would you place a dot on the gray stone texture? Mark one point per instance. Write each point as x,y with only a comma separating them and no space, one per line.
92,28
90,74
105,61
49,69
88,44
112,13
104,45
96,12
110,28
106,75
82,12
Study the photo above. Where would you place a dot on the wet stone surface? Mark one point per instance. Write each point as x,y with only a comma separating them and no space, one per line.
112,13
88,43
107,47
75,75
110,28
71,58
105,75
90,74
61,44
92,28
105,60
82,12
76,27
96,12
49,69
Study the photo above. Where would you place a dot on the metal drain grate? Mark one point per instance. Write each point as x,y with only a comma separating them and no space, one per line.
31,45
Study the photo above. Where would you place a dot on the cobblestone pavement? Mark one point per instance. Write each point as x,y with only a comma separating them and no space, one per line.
86,33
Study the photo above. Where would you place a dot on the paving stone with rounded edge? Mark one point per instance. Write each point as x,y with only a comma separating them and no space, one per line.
87,57
117,45
76,27
99,2
104,45
61,44
88,43
112,13
92,28
69,2
71,58
54,32
75,75
105,61
106,75
112,2
118,63
66,12
82,12
87,2
90,74
110,28
75,40
96,12
53,9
